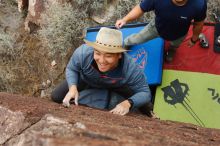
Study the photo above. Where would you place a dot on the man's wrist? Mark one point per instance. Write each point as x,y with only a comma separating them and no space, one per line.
125,19
131,103
73,88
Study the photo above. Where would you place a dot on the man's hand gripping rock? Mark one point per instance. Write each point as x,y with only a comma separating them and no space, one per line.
72,94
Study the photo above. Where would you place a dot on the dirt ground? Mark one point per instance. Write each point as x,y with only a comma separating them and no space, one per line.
104,128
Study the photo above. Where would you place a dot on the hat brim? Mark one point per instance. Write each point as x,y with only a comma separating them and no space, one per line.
106,49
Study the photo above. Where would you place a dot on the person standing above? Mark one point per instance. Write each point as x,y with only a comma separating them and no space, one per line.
172,22
102,75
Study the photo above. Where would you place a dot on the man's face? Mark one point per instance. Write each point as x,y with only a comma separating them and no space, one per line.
106,61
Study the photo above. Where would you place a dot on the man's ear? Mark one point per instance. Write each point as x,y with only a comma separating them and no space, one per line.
120,55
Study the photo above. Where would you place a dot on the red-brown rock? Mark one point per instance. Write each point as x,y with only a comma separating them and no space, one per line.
52,124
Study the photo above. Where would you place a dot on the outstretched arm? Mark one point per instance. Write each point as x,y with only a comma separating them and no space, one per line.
72,76
197,29
135,13
136,81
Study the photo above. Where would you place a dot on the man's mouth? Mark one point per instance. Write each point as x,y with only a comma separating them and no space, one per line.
102,65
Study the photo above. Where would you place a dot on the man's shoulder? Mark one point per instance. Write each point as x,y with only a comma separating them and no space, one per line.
127,58
84,50
199,3
130,63
132,70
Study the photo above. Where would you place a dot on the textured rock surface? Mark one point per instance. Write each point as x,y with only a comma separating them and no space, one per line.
22,4
52,124
11,123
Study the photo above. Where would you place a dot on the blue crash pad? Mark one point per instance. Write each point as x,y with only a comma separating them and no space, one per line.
148,55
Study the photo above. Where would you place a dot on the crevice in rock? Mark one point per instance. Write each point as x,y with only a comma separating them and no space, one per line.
21,131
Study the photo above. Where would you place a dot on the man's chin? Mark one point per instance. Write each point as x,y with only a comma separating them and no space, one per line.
103,69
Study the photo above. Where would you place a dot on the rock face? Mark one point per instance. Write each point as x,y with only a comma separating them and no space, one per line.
45,132
11,123
34,121
26,74
35,8
22,4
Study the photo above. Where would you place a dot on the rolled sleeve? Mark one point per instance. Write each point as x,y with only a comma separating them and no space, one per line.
147,5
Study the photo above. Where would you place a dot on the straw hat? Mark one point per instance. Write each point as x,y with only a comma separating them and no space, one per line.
108,40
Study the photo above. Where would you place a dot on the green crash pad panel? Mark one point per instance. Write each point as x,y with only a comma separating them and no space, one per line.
189,97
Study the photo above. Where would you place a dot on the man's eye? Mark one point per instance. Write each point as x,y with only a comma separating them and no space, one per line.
97,53
108,56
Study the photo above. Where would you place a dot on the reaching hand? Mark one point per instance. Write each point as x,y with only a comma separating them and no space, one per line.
73,93
122,108
120,23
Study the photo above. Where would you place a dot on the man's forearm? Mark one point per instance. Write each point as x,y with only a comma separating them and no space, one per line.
135,13
71,76
197,29
140,99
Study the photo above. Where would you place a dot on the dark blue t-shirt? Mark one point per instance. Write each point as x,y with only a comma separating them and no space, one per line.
173,22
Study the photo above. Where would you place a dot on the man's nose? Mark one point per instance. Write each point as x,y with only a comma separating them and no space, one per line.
101,59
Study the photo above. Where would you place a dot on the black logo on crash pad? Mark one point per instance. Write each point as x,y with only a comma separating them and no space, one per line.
177,92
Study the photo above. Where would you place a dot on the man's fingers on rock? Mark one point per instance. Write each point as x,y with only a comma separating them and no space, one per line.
114,111
66,101
123,113
66,104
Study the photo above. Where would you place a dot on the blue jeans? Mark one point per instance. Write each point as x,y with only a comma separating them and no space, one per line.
93,97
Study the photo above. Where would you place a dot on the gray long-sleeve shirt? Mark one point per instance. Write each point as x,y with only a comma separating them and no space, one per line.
128,73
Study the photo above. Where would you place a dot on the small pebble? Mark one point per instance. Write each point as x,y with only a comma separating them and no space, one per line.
53,63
